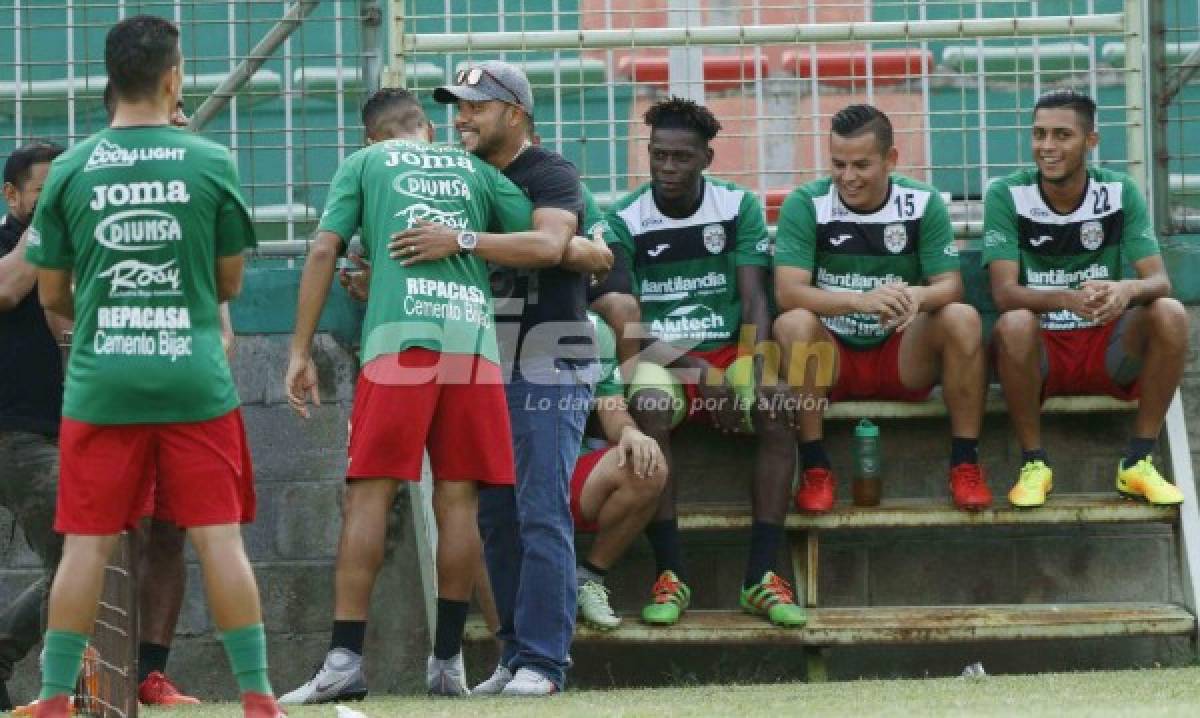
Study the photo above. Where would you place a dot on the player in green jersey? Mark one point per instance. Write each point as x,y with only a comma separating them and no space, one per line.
430,373
1056,240
699,255
139,234
867,275
615,486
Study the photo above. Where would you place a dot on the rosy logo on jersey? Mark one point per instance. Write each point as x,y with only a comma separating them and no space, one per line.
131,275
421,212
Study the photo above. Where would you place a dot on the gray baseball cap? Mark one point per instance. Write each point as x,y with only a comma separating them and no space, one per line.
490,80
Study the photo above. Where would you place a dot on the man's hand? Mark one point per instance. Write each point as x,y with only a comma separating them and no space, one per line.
300,383
895,304
1106,300
1077,303
721,403
641,452
356,283
427,242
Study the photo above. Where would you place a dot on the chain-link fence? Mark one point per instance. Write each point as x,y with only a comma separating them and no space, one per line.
960,99
1173,76
958,79
289,125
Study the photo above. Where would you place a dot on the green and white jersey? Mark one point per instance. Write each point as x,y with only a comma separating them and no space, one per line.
140,216
443,306
595,222
909,238
685,270
1108,229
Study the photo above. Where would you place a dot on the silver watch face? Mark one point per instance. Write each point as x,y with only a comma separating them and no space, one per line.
468,240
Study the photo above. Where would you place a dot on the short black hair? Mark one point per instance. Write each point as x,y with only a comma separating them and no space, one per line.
18,165
855,120
680,113
137,51
1084,106
391,111
110,100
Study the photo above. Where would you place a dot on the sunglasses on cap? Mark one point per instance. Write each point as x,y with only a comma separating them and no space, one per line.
473,75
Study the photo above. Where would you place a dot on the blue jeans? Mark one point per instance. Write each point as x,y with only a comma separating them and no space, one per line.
527,531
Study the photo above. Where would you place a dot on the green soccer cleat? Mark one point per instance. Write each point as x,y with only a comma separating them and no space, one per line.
671,599
772,597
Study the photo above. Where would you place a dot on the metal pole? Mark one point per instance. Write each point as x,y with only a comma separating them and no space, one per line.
371,18
1135,93
685,65
627,38
397,45
1159,187
266,47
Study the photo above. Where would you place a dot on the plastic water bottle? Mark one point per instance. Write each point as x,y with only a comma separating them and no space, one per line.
867,469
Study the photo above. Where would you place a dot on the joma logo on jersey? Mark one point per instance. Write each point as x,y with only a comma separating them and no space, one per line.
138,230
135,193
424,213
428,162
431,188
109,154
132,275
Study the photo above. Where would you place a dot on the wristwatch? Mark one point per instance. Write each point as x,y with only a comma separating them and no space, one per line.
467,242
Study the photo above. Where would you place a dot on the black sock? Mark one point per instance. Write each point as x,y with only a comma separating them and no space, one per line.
1035,455
1138,449
964,451
664,540
349,635
451,617
812,453
5,701
765,539
151,657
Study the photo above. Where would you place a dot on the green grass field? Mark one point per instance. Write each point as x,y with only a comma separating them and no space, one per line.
1128,694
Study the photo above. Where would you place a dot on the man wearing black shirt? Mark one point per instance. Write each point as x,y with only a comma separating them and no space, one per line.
545,340
30,402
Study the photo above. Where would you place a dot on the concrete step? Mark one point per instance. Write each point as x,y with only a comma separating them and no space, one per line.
926,513
901,625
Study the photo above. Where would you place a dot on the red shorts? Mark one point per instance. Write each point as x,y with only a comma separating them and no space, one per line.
873,373
720,358
191,474
451,404
583,469
1076,364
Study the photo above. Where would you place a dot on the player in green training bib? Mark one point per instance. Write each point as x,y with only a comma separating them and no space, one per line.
699,256
1056,241
139,233
867,276
430,376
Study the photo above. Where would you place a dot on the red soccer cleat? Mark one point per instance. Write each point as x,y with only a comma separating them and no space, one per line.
969,488
158,690
57,707
815,495
261,705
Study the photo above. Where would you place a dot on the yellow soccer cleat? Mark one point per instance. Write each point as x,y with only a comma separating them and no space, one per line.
1034,483
1142,481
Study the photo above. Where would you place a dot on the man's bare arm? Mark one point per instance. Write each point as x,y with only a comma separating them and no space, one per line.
55,293
17,277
